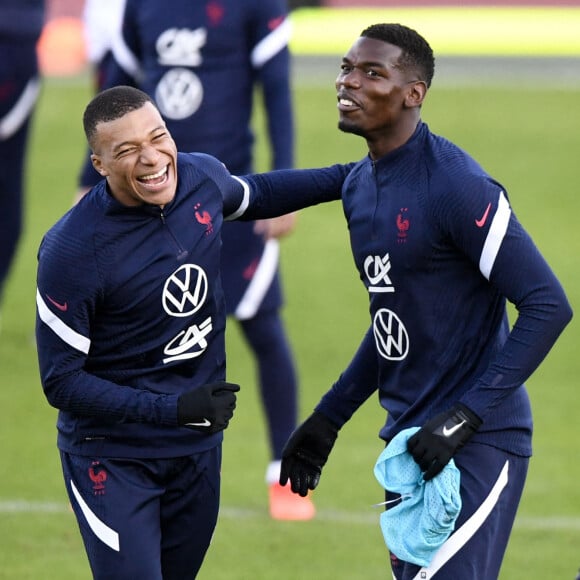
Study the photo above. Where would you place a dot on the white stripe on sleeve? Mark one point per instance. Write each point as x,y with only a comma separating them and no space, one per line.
243,204
66,333
495,236
272,44
106,534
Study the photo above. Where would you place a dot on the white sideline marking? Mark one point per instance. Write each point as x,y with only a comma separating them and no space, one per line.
553,523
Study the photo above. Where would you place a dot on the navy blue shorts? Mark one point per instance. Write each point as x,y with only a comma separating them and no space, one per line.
147,519
492,482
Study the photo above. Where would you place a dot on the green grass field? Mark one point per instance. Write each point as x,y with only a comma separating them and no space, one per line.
475,30
528,139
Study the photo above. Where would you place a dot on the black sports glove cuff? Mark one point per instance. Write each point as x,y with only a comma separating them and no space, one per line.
194,406
441,437
455,426
463,412
207,408
318,445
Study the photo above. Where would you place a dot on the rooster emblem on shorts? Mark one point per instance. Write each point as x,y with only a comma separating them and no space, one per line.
98,477
403,225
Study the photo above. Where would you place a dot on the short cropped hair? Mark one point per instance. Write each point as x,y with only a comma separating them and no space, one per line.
416,55
112,104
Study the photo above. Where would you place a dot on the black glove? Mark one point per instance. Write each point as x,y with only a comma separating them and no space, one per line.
306,452
208,408
441,437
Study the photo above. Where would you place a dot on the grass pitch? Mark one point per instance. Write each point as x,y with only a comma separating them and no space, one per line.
451,30
527,139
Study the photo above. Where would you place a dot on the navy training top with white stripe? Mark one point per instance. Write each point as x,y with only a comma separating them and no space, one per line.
439,249
130,309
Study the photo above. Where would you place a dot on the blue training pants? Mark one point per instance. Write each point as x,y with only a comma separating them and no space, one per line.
151,519
18,96
492,482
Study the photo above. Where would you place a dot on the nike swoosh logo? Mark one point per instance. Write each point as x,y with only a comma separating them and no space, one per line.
204,423
481,222
448,432
62,307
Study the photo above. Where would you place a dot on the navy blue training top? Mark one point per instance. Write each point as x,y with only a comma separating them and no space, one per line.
130,309
439,250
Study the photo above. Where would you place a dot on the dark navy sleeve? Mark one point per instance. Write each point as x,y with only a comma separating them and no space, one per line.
270,57
68,289
485,228
354,386
284,191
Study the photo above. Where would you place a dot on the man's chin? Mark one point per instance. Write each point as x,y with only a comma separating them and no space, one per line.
347,127
159,199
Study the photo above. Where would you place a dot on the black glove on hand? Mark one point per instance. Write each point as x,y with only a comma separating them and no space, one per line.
441,437
208,408
306,452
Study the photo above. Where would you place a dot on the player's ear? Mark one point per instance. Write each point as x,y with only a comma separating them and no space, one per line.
416,92
98,164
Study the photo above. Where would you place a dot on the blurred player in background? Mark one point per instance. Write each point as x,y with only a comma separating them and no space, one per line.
102,20
202,62
21,23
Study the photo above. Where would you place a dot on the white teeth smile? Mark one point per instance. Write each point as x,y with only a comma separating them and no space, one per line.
154,175
346,102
